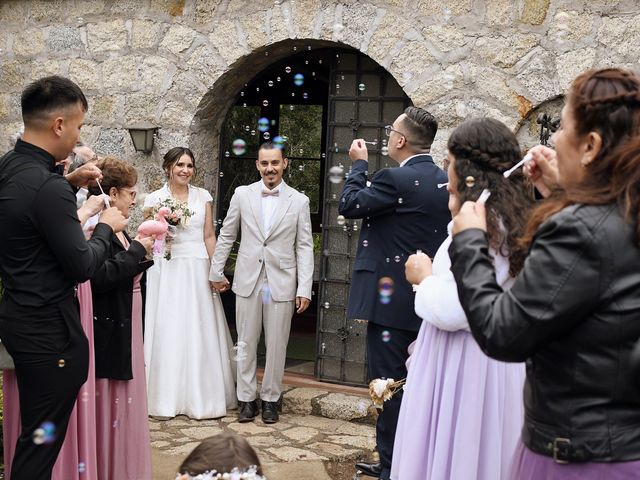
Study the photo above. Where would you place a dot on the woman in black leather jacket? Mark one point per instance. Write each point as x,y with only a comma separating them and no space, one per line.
574,311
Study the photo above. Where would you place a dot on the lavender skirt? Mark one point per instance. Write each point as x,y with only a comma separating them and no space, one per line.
528,465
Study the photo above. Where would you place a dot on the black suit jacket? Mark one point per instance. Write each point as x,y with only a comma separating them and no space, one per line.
112,291
402,211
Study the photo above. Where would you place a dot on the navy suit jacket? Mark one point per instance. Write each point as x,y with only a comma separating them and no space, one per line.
402,211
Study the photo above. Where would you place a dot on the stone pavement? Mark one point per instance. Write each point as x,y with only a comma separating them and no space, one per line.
297,447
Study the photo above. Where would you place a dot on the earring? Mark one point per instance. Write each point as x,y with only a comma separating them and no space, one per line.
470,181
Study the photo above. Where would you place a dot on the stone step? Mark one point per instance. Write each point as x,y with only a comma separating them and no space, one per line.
323,403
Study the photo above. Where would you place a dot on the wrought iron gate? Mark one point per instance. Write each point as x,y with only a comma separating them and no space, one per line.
363,98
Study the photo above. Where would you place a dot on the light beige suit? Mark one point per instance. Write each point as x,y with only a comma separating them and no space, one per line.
272,269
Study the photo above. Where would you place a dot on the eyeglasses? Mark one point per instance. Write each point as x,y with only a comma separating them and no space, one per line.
389,128
132,193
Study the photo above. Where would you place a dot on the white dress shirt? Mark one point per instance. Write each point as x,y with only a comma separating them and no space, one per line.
269,203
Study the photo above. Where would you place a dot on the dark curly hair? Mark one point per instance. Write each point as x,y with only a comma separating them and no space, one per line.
607,102
484,149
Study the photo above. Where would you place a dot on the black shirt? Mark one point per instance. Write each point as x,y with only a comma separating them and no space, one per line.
43,252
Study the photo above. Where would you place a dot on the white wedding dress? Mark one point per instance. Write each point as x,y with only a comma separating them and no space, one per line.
187,345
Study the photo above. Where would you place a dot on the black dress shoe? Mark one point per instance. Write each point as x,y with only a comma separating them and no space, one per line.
248,411
370,469
269,412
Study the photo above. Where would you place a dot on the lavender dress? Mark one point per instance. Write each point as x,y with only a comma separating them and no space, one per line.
461,412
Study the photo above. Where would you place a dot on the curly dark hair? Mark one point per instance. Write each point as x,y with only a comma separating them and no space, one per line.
484,149
115,173
605,101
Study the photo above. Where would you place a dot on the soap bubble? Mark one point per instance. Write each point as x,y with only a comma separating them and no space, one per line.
266,295
397,258
417,183
385,286
326,305
239,147
386,336
45,433
336,174
270,83
265,103
221,174
305,95
266,135
227,154
287,69
247,128
263,124
82,468
361,87
298,79
365,243
278,141
341,220
384,150
278,79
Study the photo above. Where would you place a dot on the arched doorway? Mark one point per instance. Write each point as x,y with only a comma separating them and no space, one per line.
319,99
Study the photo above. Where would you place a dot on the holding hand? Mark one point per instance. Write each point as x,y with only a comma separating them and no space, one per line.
358,150
221,286
94,204
84,175
146,242
114,218
471,215
417,267
542,169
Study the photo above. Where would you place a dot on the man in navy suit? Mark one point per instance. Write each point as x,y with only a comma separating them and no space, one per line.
403,211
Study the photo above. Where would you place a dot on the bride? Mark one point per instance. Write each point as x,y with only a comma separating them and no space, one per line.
186,342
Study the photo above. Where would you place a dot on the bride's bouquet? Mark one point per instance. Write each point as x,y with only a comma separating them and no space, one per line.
178,217
382,389
179,212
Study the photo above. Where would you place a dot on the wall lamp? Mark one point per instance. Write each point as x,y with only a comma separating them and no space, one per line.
143,136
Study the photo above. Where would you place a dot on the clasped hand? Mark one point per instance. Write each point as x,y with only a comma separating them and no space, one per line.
417,267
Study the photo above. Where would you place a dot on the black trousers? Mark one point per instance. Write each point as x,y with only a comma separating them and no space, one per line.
386,355
51,355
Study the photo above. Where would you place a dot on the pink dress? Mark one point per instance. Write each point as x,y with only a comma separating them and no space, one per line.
77,459
122,428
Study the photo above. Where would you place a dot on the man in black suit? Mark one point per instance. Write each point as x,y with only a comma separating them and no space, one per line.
403,211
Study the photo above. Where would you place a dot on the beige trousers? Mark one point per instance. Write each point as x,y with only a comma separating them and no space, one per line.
252,313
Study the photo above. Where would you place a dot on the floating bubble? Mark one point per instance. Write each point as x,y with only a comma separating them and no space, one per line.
301,167
336,174
129,400
365,243
417,183
278,142
306,62
326,305
242,94
305,95
324,155
320,62
400,200
247,128
244,105
357,205
287,69
265,103
239,352
221,174
84,396
266,135
227,154
115,424
361,87
266,295
82,468
61,363
295,48
45,433
291,107
396,258
385,300
239,147
384,150
385,286
298,79
270,83
293,94
386,336
253,132
301,151
263,124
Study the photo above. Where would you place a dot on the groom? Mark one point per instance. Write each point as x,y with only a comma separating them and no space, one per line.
273,275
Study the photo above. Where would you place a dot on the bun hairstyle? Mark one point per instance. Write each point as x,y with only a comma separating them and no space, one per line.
484,149
607,102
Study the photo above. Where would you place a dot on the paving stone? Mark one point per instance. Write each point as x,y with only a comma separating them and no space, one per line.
298,400
160,435
301,434
159,444
353,441
335,452
184,449
343,407
292,454
268,441
201,432
250,428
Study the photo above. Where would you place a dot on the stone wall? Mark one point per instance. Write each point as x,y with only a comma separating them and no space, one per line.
180,63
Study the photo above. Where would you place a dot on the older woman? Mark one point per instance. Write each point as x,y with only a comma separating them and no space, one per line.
123,441
573,312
